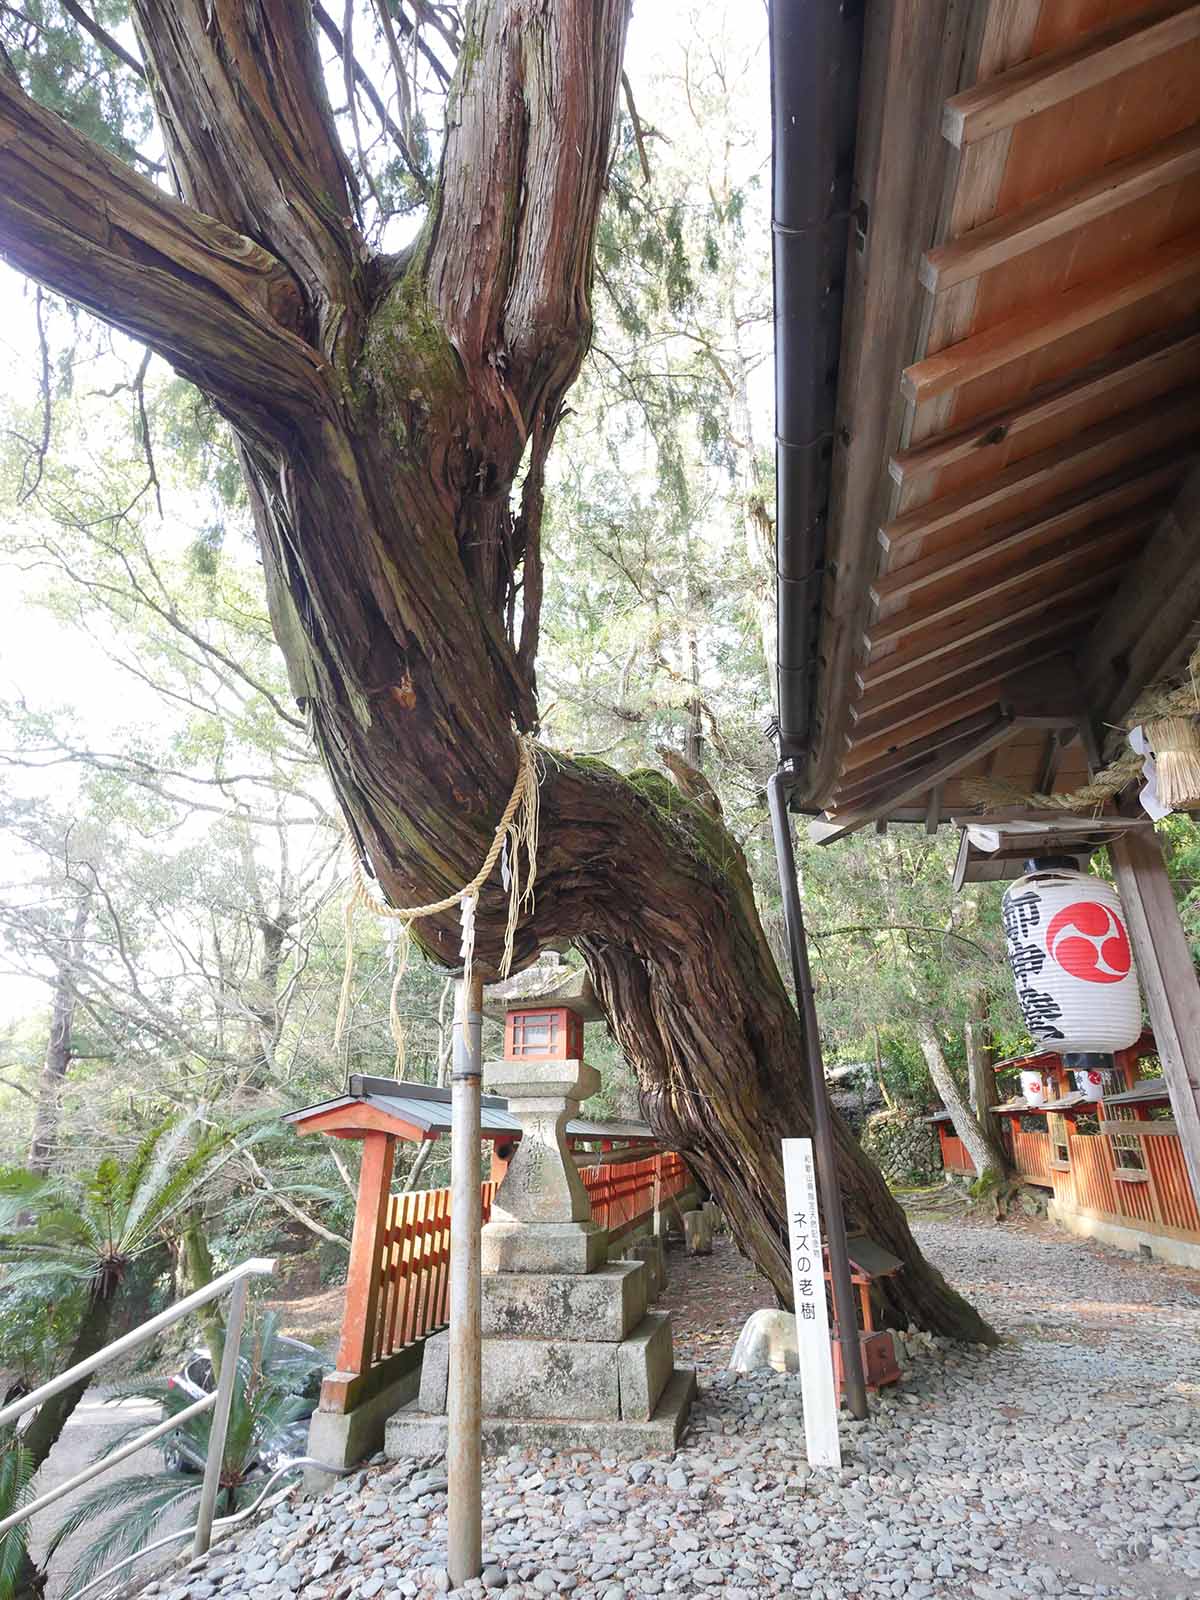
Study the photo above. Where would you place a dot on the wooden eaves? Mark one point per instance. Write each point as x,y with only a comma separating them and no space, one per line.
1015,499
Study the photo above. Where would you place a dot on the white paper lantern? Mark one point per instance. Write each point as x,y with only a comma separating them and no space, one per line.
1033,1087
1090,1084
1072,962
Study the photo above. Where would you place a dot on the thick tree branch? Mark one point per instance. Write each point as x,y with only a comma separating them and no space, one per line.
241,99
220,308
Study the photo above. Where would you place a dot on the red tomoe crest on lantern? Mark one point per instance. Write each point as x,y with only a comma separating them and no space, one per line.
1089,941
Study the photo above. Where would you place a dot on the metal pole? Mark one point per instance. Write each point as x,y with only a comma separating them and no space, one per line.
826,1156
464,1406
215,1459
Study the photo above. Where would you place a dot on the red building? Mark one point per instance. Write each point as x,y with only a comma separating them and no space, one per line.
1113,1167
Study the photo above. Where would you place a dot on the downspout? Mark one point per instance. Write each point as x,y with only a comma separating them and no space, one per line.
816,47
816,50
844,1307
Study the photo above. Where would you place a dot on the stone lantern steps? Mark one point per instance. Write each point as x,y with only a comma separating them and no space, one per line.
571,1356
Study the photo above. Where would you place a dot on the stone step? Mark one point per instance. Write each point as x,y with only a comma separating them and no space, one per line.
644,1364
605,1305
583,1378
544,1247
413,1433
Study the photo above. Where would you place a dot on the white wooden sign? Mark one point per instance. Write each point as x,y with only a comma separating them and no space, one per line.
812,1309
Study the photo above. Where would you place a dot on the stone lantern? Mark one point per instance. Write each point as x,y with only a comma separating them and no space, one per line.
571,1356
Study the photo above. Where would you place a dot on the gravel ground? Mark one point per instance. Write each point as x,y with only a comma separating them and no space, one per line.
1067,1462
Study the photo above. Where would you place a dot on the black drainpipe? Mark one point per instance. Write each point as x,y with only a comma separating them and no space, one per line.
816,49
845,1309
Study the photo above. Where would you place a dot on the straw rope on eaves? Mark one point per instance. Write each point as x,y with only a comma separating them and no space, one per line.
516,833
1169,714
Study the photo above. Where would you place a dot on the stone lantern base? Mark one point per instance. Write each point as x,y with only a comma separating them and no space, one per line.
569,1361
572,1358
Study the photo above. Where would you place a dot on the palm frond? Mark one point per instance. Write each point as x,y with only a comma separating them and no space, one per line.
23,1192
16,1477
170,1180
142,1503
159,1390
150,1171
57,1276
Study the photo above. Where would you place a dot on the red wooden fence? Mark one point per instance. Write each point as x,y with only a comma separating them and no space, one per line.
1097,1178
414,1255
1031,1154
623,1195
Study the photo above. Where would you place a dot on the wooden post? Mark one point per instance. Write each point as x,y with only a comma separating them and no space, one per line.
464,1409
1168,979
362,1277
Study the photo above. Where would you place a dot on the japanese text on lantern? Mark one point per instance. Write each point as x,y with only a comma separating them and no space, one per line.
1022,913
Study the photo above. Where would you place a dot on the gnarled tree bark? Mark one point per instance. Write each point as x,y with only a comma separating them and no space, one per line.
385,409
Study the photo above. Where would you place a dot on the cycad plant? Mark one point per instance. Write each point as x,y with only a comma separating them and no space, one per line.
89,1234
16,1475
266,1401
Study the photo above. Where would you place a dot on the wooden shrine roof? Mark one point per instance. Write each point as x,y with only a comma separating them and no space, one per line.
422,1111
995,846
1015,498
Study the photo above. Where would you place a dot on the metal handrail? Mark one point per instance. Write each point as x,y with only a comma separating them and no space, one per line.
219,1402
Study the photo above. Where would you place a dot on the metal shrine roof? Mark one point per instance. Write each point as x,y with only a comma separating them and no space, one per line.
426,1109
1147,1092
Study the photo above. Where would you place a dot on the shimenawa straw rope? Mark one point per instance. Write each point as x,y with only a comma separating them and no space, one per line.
516,834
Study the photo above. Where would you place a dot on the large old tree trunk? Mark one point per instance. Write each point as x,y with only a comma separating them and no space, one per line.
385,409
56,1063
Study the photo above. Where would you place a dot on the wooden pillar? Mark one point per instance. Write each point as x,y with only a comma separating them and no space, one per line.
357,1346
1168,979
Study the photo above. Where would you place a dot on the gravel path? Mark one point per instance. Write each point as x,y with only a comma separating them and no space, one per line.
1065,1463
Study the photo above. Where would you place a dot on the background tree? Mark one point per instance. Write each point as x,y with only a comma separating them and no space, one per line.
896,948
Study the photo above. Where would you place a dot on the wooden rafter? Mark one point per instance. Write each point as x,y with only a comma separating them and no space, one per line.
1038,664
952,758
996,649
1006,237
1113,544
939,642
895,713
1089,460
1049,689
1059,316
1133,495
1034,86
1142,370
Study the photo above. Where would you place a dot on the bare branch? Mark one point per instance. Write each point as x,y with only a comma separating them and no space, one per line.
399,138
102,36
639,137
290,1206
41,450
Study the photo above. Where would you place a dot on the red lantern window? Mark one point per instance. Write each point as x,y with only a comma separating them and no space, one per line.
546,1035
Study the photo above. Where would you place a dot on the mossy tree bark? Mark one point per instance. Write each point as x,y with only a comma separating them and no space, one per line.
385,409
